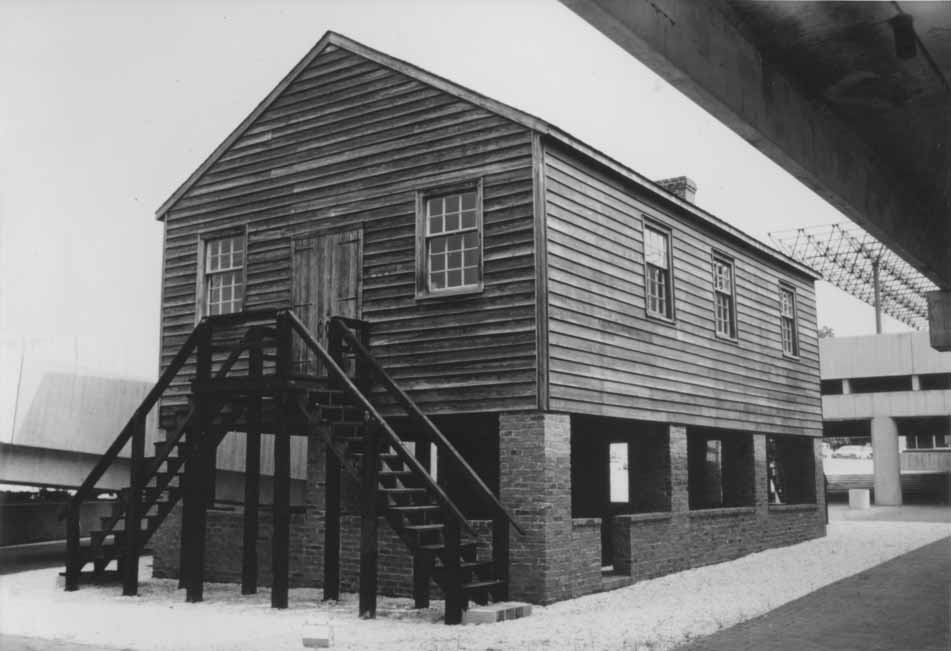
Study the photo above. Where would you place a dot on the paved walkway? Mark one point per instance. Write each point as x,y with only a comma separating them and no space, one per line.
899,605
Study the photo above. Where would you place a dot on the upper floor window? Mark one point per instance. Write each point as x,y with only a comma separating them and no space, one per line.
787,318
224,275
657,272
724,302
450,255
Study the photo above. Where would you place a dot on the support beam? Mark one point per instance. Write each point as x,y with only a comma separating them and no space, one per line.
331,526
252,480
368,526
452,572
133,513
282,509
195,506
422,560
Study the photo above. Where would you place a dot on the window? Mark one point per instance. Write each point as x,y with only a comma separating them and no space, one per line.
657,273
724,304
224,275
450,255
787,320
882,384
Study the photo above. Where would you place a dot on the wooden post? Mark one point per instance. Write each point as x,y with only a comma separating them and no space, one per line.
422,560
332,527
368,534
252,476
282,508
500,555
133,511
195,510
422,570
453,573
73,562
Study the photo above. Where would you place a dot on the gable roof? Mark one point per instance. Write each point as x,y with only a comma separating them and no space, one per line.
515,115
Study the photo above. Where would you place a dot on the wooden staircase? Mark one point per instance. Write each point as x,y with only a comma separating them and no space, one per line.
264,395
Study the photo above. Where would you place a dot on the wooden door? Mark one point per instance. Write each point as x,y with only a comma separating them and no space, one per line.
326,283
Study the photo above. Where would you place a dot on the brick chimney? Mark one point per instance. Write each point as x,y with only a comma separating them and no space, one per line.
682,186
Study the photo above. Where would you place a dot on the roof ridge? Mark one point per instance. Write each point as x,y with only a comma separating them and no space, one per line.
516,115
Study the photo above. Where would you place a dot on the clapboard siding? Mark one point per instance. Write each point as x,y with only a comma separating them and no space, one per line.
349,143
607,357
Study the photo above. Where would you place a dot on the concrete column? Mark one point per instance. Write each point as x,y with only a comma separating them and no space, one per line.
535,485
886,461
679,493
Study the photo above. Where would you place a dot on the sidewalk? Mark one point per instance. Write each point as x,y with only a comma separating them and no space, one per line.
899,605
656,614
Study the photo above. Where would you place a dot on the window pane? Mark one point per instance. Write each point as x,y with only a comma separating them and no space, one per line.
435,225
655,248
438,262
470,258
452,221
455,260
468,219
452,204
439,244
454,278
468,200
471,275
434,206
439,280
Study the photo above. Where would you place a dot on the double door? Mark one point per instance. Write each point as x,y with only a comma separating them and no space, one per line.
326,282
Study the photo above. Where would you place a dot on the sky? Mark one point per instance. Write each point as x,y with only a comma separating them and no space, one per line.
106,106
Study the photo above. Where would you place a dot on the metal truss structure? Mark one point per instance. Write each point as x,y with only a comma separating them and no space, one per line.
859,264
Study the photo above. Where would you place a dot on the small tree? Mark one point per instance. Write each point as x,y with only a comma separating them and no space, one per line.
826,331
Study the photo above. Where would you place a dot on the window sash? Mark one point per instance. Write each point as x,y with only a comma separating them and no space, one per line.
657,271
725,309
224,275
658,294
452,241
787,310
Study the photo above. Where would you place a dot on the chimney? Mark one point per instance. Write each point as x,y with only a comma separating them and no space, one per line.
682,186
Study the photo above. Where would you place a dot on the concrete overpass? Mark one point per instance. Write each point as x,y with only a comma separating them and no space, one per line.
852,98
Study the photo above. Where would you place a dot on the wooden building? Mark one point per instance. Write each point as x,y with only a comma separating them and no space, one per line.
520,299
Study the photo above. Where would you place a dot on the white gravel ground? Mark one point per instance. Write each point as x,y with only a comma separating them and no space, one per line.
657,614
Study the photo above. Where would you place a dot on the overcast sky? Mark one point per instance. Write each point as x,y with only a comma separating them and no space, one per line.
107,106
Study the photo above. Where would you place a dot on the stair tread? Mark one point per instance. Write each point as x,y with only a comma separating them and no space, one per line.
401,490
416,508
436,547
423,527
487,583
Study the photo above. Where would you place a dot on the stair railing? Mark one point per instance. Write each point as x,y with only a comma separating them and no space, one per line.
135,431
341,328
347,384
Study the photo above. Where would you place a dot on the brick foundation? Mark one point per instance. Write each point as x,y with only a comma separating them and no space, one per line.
554,560
559,557
648,545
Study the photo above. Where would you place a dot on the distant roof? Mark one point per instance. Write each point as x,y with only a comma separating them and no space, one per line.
846,256
515,115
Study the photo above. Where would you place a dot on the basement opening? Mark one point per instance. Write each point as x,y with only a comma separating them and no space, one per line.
719,468
791,470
